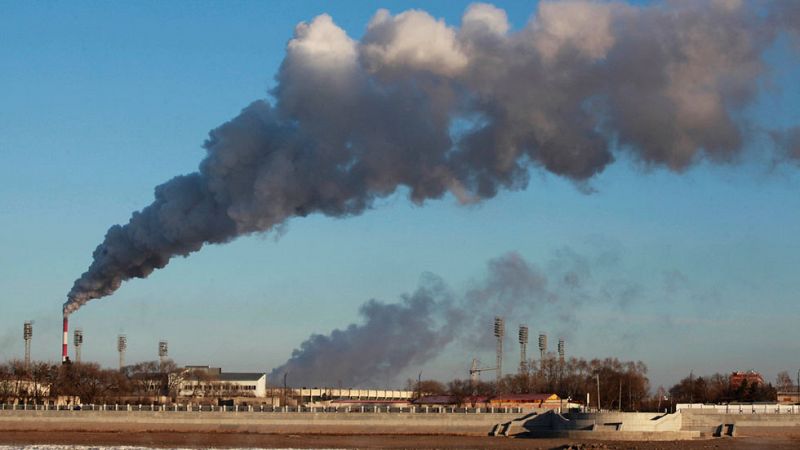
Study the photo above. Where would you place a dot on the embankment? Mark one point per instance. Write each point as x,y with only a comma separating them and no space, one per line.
253,422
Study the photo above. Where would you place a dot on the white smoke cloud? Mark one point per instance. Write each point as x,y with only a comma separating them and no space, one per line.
432,109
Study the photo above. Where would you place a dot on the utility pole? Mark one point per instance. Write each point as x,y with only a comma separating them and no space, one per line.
419,385
619,406
284,387
597,376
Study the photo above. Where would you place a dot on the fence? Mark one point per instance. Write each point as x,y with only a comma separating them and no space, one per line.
260,409
747,408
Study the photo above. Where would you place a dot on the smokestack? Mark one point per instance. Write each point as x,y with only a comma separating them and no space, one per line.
122,344
351,124
65,342
523,348
499,333
27,335
78,342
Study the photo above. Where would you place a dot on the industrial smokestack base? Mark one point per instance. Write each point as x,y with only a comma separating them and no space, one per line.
64,343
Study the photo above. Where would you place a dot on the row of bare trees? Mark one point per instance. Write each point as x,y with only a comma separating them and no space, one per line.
42,381
622,384
717,388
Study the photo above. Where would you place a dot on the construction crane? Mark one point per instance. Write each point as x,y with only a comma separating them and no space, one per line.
475,372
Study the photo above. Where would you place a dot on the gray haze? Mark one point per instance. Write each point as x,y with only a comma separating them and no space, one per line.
393,337
430,109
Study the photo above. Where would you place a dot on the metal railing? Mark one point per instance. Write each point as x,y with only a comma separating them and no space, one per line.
198,408
739,408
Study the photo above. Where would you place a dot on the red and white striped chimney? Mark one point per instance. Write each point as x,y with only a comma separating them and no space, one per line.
64,346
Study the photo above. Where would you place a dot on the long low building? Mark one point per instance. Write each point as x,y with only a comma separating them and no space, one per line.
205,381
312,395
547,401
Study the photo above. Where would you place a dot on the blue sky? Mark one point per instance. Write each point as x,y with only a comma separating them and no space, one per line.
100,102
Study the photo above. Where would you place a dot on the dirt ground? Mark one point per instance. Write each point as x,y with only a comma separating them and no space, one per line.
757,439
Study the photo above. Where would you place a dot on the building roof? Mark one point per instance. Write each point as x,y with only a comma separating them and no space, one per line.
519,398
240,376
525,397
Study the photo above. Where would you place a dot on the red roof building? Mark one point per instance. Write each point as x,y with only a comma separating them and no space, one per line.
752,377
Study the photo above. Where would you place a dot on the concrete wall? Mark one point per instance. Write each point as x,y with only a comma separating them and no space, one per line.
255,422
628,421
707,420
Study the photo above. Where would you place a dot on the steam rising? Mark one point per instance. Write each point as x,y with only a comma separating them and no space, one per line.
420,105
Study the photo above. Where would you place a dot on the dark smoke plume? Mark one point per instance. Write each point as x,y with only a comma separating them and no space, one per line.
397,336
433,109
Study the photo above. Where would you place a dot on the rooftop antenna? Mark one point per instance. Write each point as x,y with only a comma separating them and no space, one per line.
27,334
523,348
163,351
122,345
78,342
499,333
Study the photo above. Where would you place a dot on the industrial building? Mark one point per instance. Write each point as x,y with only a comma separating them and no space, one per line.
540,401
205,381
788,397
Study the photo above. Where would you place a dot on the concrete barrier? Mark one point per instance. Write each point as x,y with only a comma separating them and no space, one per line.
707,421
253,422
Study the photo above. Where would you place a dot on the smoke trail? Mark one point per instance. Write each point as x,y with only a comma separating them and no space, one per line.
788,142
420,105
396,336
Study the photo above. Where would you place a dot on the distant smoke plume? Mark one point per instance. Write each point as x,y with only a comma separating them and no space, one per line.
433,109
788,142
397,336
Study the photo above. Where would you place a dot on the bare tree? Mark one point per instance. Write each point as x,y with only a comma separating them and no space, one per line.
783,382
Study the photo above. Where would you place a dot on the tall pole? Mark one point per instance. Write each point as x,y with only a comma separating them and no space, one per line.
561,352
499,333
27,334
284,387
419,385
163,351
542,350
598,391
78,342
523,348
122,344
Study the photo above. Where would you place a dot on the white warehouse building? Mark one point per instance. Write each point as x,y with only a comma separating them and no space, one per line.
205,381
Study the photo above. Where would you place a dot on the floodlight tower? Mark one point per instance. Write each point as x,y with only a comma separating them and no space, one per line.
163,351
27,334
542,348
499,333
122,345
78,342
561,350
523,348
